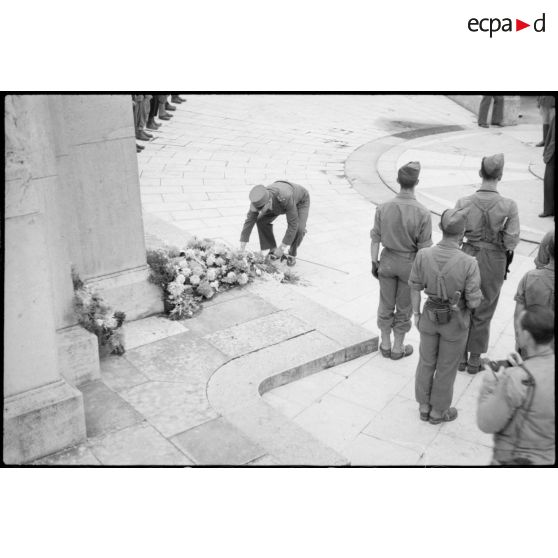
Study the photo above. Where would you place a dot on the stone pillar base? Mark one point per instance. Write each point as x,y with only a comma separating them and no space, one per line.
42,421
78,355
511,106
131,292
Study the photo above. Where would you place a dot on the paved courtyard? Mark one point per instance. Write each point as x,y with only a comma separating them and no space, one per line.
186,393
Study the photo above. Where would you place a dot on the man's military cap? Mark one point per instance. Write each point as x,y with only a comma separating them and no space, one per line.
259,196
493,164
453,221
409,173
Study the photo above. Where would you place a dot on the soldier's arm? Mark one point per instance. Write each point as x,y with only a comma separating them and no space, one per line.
292,222
473,293
249,223
376,235
424,239
511,231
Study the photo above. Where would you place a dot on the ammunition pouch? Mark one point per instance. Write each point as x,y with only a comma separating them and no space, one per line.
439,313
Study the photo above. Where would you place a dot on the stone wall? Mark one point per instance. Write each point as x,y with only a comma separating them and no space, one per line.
72,198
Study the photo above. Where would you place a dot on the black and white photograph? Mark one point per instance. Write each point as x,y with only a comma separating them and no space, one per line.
277,280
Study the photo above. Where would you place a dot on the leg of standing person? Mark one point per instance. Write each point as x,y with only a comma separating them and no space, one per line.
403,307
426,367
163,114
548,207
154,106
498,110
144,115
546,116
386,307
483,110
492,266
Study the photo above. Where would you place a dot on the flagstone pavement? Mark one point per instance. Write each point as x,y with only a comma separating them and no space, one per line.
195,176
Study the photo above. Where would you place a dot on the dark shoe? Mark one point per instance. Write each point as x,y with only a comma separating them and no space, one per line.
540,144
424,412
139,148
546,214
147,134
177,99
165,117
447,416
474,363
498,125
484,125
152,125
141,136
386,353
462,366
407,350
168,106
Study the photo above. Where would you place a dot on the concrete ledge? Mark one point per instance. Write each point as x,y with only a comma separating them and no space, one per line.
42,421
78,355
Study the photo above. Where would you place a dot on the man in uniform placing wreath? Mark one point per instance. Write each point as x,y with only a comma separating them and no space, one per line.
266,204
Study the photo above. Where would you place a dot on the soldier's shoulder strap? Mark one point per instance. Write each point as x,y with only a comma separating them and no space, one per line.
441,290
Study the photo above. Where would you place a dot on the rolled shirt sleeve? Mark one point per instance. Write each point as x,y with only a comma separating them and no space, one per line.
416,278
424,239
511,232
473,293
249,223
375,233
521,288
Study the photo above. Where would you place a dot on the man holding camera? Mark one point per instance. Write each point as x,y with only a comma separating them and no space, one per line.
492,233
516,403
451,279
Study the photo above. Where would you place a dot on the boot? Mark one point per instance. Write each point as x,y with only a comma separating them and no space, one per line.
385,343
399,350
140,134
165,116
139,148
147,134
545,132
152,125
474,363
463,364
168,106
177,99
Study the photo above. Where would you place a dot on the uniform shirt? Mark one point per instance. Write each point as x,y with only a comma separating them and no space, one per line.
527,432
537,287
546,101
285,196
402,224
464,275
504,207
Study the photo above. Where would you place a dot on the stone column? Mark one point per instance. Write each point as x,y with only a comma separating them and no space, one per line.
42,413
108,248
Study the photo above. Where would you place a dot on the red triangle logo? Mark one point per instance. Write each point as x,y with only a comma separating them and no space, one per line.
519,25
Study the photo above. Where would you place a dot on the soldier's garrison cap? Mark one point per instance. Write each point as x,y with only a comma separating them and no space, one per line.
493,164
453,221
409,173
259,196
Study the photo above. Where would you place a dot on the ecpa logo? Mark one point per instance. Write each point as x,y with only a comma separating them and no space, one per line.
494,24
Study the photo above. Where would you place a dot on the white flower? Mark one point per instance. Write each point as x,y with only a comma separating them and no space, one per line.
214,285
175,289
211,274
231,276
258,272
99,322
194,280
186,271
219,261
242,279
180,279
189,253
210,260
111,323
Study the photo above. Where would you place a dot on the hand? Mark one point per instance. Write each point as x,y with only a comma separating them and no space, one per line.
278,252
375,268
416,319
514,359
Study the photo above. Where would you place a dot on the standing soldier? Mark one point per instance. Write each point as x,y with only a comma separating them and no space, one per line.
451,279
266,204
492,233
403,226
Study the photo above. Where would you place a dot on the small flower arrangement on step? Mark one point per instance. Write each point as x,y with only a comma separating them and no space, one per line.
203,269
96,316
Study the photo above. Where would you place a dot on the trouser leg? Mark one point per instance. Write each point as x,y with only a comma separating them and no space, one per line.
303,210
403,307
498,110
549,187
428,353
162,99
449,355
483,109
386,307
154,105
136,108
143,113
492,266
265,232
